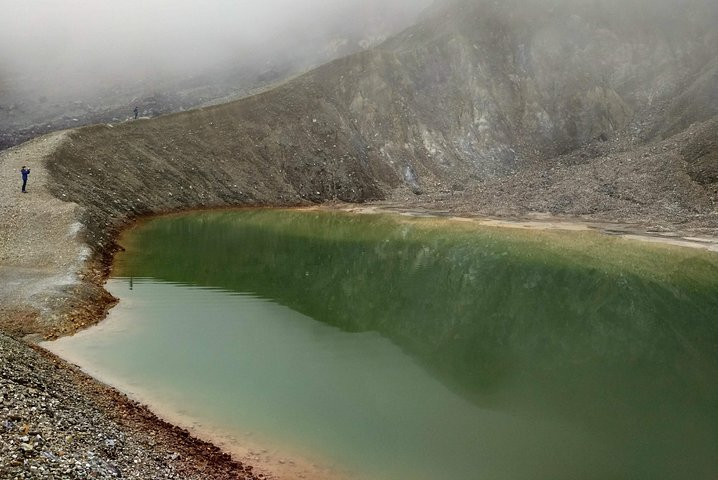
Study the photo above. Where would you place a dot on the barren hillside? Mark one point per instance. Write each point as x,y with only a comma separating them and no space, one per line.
597,110
470,104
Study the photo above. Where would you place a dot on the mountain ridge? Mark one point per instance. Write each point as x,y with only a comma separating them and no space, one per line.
471,95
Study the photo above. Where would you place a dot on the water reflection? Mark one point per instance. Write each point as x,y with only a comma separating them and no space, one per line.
616,338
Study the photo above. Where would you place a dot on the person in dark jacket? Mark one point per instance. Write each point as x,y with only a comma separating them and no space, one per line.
25,172
137,111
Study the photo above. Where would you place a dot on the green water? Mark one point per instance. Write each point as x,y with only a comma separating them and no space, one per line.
410,348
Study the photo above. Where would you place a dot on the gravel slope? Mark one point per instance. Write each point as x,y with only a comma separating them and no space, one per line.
41,249
56,422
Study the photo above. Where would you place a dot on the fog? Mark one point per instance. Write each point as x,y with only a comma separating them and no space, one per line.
65,62
58,47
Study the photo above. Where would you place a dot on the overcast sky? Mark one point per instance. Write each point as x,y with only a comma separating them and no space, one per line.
78,38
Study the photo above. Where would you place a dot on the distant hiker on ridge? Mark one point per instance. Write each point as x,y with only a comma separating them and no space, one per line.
136,110
24,171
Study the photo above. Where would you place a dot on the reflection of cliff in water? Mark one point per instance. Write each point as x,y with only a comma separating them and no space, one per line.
581,326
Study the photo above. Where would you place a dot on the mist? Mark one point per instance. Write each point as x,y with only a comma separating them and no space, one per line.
65,63
55,48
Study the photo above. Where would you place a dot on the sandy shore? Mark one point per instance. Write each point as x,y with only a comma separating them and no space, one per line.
541,221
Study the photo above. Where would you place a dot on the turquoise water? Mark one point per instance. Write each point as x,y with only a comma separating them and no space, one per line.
400,348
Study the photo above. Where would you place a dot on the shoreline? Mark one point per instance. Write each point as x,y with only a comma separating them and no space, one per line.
277,463
51,285
266,457
45,294
545,222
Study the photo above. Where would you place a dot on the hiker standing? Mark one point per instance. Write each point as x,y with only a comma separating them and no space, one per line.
137,111
24,171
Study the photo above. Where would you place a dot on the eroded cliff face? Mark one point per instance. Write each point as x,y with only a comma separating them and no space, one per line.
477,93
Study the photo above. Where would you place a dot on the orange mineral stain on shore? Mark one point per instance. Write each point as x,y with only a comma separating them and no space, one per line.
270,458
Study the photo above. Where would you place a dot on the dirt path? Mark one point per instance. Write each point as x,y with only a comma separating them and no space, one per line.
40,248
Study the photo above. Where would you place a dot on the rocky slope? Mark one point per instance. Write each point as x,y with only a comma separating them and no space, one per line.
598,110
58,423
477,93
